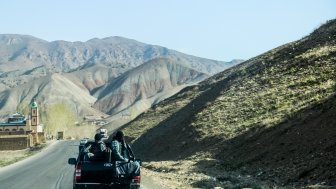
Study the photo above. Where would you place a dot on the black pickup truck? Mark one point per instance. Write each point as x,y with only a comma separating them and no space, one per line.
100,172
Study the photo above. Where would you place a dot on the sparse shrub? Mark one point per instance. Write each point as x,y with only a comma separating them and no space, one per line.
59,117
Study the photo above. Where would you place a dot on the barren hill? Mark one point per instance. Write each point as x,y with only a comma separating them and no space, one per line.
91,66
22,52
48,90
135,91
271,118
94,77
151,80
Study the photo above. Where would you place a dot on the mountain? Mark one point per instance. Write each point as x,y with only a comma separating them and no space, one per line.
94,77
94,69
48,90
94,66
22,52
153,80
269,120
98,85
133,92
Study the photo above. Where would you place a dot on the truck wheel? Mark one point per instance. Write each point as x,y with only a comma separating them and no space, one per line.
78,186
130,187
125,186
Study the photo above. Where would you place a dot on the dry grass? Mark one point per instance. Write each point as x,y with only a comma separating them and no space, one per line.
187,174
9,157
260,93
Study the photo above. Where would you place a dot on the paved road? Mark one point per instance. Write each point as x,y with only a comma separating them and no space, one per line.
48,169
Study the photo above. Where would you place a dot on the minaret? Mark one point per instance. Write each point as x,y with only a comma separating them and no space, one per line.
34,116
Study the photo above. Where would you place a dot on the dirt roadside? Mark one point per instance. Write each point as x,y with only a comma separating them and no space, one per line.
185,174
207,173
8,157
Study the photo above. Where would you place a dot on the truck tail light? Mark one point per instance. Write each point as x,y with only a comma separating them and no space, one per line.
136,179
78,172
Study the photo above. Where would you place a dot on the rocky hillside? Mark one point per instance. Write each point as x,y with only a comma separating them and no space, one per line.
271,118
21,52
94,77
95,66
48,90
98,89
151,82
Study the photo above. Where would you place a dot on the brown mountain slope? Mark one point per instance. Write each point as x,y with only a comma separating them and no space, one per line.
298,151
89,65
137,90
48,90
23,52
224,112
93,77
16,54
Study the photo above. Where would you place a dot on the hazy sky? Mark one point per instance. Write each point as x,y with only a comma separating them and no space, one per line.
215,29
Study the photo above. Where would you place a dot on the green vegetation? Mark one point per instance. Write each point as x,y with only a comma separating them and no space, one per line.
23,108
59,117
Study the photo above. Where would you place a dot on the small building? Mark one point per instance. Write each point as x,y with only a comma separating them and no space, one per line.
16,124
94,120
20,132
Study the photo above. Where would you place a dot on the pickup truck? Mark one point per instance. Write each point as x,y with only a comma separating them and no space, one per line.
97,172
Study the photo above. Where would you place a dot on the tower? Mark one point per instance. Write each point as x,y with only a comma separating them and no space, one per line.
34,115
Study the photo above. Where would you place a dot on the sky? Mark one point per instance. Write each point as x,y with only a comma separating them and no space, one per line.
214,29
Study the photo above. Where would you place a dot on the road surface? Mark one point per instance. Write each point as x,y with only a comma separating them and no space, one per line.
48,169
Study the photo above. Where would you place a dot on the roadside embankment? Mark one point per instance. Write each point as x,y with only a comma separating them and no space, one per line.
8,157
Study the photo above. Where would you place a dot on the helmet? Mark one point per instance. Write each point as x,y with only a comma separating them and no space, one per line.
98,136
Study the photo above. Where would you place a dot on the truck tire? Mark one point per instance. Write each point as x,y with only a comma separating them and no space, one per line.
127,186
76,186
124,186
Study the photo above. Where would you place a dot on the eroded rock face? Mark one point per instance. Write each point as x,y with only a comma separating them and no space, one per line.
270,118
96,70
146,85
27,52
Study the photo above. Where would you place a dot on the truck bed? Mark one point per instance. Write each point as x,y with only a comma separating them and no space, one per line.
100,171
